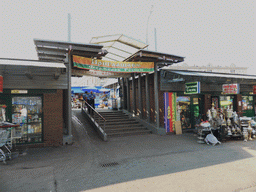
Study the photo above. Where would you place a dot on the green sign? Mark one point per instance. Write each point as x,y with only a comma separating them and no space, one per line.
192,88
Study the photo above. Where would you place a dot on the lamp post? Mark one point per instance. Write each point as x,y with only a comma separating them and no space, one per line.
147,24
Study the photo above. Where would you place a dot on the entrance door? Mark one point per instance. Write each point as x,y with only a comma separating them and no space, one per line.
196,111
183,110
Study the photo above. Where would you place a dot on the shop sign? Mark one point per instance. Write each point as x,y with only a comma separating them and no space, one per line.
169,111
112,66
230,89
254,89
19,91
192,88
1,83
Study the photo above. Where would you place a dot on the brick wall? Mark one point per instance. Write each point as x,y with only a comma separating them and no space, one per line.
53,118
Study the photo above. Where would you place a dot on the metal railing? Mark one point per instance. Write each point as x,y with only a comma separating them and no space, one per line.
94,114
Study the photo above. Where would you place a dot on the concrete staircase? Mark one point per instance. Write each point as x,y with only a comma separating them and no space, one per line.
119,124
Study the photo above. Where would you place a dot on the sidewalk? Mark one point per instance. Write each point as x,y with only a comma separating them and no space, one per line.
132,163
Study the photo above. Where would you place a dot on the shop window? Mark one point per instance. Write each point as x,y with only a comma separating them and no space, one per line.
226,102
27,111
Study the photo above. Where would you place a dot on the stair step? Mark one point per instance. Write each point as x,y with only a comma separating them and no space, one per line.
119,123
123,130
122,126
129,133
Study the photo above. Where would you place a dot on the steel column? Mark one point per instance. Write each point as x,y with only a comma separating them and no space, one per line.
147,98
140,96
156,95
123,97
69,112
128,94
133,95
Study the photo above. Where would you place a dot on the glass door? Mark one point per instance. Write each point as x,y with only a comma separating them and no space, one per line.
27,111
183,111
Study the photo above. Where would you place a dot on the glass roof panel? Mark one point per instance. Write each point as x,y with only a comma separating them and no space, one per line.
119,45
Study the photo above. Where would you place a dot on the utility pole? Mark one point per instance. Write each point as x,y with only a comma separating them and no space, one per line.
147,24
155,41
69,27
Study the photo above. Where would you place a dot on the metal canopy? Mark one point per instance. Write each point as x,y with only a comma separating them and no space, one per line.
119,46
210,77
56,51
163,59
29,63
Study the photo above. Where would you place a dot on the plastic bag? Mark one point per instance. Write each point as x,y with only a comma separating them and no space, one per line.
211,139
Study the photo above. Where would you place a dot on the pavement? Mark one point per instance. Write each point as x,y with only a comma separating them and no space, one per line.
132,163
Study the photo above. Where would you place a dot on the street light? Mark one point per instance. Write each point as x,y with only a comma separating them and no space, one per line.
147,24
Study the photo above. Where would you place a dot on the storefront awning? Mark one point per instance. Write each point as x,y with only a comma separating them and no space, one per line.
208,74
171,75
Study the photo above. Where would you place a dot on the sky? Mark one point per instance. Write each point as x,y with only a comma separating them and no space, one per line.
220,32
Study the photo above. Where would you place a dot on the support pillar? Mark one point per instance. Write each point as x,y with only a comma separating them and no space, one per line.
133,95
140,96
128,95
147,98
156,96
123,97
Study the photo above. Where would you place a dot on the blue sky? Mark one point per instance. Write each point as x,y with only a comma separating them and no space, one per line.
216,32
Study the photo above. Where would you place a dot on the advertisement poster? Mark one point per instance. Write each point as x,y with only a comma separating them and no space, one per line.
169,111
230,88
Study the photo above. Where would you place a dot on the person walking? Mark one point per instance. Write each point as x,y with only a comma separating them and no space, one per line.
91,98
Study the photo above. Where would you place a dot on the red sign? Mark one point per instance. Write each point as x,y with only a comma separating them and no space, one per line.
230,88
1,83
254,89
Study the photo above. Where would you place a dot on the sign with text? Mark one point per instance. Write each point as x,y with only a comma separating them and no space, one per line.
169,111
19,91
112,66
230,88
192,87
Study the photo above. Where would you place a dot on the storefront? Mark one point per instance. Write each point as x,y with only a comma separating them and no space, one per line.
197,92
33,93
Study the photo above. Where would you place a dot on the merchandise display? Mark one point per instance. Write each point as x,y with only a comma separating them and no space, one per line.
226,124
27,111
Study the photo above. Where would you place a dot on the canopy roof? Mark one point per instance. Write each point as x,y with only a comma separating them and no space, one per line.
118,46
29,63
56,51
209,77
163,59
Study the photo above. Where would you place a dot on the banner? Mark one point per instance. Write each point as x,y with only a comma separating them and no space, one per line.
94,73
112,66
169,111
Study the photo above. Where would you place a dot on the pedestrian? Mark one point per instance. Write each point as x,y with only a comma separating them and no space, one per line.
91,98
85,97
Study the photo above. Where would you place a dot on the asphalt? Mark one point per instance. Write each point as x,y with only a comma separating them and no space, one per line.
132,163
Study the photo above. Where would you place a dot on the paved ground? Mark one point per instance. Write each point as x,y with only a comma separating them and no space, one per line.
133,163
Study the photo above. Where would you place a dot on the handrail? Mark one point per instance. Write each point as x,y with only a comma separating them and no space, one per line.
95,110
97,124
